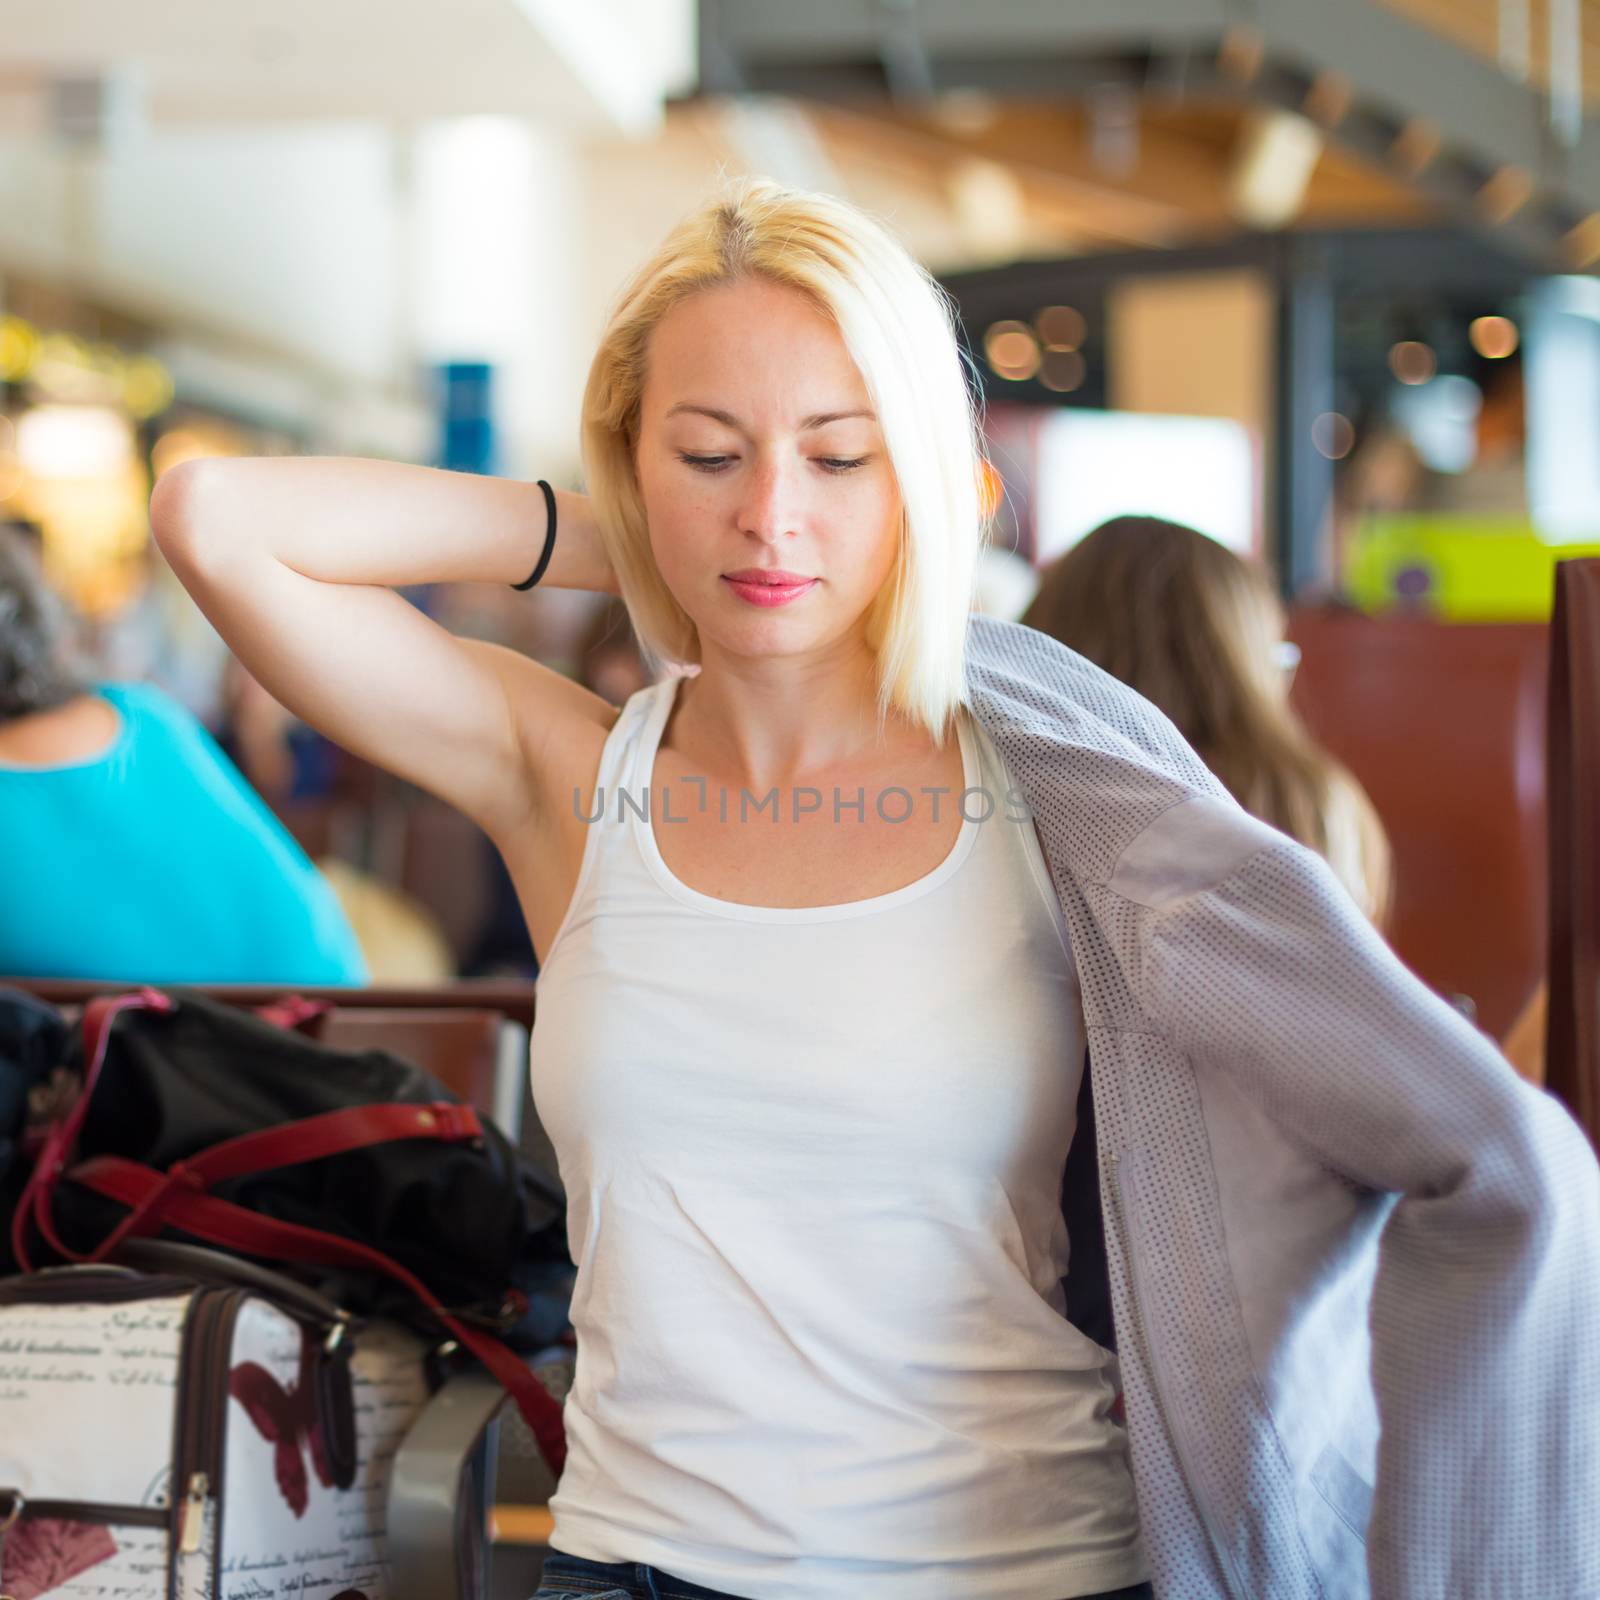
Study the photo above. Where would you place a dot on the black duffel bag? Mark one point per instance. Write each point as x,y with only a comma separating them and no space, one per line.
206,1121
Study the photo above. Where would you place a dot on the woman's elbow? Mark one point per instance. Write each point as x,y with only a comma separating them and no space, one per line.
178,519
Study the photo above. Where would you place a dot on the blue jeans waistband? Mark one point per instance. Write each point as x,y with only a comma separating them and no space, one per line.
578,1578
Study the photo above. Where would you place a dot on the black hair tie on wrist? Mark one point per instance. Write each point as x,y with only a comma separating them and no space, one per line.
549,538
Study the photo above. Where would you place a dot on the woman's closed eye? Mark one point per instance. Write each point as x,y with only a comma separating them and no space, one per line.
839,464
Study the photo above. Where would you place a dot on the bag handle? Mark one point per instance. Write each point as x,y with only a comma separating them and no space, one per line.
332,1133
98,1016
220,1222
298,1300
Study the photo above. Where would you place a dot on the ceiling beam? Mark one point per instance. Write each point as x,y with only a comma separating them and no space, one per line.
1369,73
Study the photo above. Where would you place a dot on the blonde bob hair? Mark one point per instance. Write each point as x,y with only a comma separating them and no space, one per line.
899,326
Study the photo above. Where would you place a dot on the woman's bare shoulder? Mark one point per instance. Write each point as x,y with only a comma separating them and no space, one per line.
560,724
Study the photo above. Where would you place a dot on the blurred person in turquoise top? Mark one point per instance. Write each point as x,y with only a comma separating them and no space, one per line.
131,848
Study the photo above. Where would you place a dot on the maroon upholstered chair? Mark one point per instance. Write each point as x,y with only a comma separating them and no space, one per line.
1572,1028
1443,724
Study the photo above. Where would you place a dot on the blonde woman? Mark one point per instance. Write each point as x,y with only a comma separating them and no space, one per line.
813,1019
1198,631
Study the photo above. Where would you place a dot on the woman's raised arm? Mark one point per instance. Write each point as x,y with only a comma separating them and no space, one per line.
294,560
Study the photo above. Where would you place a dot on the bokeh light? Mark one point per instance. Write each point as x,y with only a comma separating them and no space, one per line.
1012,350
1061,327
1494,338
1334,435
1411,361
1062,370
18,345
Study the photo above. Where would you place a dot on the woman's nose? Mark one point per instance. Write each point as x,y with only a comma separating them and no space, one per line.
767,508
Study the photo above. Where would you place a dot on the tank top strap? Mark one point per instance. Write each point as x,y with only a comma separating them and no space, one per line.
609,853
654,706
618,762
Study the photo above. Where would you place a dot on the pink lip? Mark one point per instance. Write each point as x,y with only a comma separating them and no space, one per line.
769,594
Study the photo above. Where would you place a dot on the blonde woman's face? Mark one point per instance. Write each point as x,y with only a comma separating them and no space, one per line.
758,452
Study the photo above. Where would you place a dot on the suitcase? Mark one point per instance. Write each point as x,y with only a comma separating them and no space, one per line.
204,1428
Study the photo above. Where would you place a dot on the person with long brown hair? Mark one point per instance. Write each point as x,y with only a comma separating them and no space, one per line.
1198,631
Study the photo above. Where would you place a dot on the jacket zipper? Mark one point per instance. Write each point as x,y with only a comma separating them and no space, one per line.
1225,1560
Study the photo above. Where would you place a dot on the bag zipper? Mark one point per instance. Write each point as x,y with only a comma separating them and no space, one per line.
202,1423
1224,1558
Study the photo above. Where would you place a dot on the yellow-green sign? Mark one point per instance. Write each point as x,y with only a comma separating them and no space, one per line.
1464,569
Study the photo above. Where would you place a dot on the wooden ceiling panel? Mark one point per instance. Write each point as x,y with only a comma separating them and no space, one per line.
1475,25
1177,190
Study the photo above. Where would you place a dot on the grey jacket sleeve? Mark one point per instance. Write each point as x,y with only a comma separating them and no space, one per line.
1486,1308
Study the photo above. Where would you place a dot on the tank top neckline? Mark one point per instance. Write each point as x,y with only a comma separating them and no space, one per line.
659,705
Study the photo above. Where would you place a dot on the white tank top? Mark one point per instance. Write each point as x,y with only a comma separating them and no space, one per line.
813,1162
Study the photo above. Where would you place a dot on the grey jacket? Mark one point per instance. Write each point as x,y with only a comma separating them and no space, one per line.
1354,1259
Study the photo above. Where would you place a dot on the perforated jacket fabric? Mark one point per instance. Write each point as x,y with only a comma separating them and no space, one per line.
1328,1201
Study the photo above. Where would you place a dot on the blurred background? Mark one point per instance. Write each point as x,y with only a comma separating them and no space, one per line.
1315,277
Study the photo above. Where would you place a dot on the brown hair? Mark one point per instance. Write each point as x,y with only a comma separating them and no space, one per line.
1186,623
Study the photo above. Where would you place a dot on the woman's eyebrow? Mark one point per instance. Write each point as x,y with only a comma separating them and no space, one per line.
819,420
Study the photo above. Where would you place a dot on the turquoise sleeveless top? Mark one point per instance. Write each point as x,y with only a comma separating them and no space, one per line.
156,861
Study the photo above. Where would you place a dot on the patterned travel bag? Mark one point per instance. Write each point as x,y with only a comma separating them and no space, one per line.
203,1428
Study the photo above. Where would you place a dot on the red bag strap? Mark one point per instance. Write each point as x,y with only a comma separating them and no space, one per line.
158,1201
98,1015
330,1134
290,1143
298,1014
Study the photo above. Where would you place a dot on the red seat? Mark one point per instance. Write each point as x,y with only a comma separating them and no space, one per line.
1443,723
1572,1038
